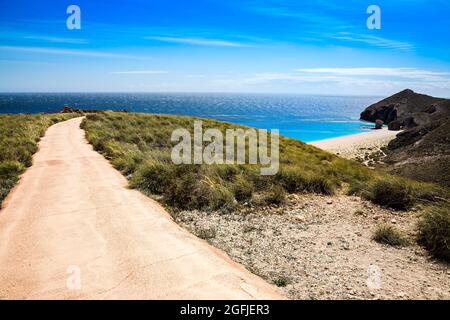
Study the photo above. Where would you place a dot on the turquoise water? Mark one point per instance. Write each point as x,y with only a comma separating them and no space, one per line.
307,118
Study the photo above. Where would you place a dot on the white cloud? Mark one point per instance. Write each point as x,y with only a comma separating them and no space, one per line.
410,73
280,76
57,39
198,41
140,72
72,52
367,78
374,41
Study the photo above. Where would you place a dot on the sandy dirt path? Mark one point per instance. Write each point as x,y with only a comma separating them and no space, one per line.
72,230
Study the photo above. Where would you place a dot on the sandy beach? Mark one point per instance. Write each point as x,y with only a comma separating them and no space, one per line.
357,146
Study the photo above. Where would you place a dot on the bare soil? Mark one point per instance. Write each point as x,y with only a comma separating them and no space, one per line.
321,247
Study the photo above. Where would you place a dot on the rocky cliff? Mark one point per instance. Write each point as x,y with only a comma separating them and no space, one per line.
407,109
422,150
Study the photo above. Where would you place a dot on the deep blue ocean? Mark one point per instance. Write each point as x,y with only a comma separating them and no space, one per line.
303,117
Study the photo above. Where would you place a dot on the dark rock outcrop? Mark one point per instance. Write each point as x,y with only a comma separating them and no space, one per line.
378,124
67,109
395,125
407,109
411,136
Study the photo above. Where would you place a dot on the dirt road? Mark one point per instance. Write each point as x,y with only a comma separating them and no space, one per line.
72,230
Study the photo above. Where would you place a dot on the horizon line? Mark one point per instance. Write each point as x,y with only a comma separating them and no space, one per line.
188,92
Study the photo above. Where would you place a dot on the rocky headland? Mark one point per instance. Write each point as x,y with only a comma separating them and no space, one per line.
422,150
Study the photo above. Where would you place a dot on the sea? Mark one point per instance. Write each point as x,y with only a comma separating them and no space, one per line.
303,117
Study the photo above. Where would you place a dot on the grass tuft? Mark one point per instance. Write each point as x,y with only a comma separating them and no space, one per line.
281,281
392,193
387,234
434,232
242,188
206,233
277,195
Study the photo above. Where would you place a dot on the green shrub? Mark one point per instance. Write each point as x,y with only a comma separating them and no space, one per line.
386,234
189,192
391,193
434,232
206,233
292,179
11,168
242,189
258,181
6,183
128,163
94,116
153,177
276,195
320,184
296,180
356,188
281,281
425,193
219,197
180,193
226,172
183,187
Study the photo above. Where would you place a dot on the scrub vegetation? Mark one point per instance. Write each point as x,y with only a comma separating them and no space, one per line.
19,135
434,232
139,145
387,234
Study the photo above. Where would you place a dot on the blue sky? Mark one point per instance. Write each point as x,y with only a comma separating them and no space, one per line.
306,47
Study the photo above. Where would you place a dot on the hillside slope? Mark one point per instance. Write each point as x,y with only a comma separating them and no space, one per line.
422,150
139,145
422,153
